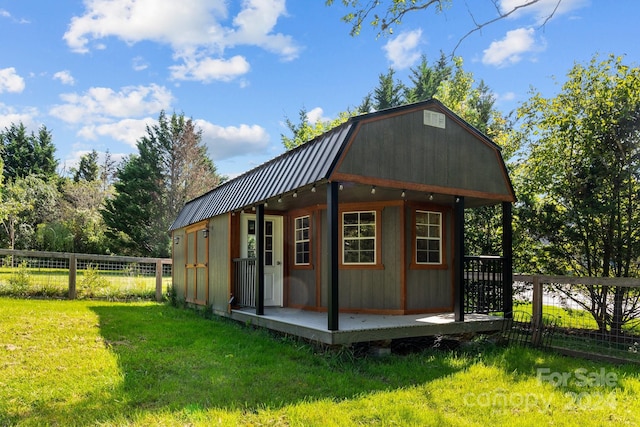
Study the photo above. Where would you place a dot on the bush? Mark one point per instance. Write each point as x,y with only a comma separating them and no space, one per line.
20,281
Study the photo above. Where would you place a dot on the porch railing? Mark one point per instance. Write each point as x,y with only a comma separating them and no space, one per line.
244,279
483,284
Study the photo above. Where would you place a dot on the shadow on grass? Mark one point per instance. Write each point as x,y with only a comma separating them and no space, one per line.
175,359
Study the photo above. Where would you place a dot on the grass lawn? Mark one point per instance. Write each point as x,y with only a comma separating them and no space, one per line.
103,363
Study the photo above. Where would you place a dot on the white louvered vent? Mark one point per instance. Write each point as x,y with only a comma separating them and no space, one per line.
432,118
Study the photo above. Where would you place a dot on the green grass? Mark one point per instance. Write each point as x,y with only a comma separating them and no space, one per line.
105,363
90,283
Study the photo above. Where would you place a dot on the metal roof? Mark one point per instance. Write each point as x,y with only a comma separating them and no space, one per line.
304,165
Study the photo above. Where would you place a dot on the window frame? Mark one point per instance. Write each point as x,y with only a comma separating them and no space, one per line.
442,264
377,239
309,240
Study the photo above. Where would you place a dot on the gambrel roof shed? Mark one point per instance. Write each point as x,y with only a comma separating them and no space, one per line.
414,150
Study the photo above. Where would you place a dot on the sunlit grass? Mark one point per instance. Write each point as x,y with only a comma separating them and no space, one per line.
95,362
90,283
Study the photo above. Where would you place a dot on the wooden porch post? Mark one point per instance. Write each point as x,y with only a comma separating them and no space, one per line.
259,260
458,259
332,239
507,266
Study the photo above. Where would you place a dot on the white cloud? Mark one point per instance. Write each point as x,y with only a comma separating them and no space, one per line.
403,50
101,104
65,77
128,131
10,81
510,49
316,115
208,69
542,9
26,116
232,141
198,31
139,64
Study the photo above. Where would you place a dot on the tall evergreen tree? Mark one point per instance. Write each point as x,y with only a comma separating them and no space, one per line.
426,79
88,168
152,186
389,92
27,154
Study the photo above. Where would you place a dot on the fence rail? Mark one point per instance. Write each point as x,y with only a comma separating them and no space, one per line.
244,274
591,316
483,284
56,268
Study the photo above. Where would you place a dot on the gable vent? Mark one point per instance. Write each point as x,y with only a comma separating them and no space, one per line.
432,118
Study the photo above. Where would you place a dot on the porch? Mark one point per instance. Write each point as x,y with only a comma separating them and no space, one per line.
354,328
484,308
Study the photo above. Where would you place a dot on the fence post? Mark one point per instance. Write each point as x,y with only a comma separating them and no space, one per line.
536,320
159,280
73,268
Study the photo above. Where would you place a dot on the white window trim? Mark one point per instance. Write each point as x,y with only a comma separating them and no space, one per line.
374,238
439,239
296,241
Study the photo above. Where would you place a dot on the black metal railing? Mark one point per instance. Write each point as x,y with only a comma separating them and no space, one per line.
244,279
483,284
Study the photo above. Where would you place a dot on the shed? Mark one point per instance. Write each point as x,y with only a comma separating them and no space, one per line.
364,220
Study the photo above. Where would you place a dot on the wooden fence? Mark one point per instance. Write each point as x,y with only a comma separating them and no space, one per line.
72,262
557,314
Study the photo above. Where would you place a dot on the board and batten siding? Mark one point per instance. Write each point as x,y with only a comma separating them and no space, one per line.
179,261
370,288
219,263
430,289
402,148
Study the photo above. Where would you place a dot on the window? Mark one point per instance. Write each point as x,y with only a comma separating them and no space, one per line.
428,237
302,240
359,237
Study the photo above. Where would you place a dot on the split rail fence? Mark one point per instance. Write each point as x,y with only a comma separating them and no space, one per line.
72,275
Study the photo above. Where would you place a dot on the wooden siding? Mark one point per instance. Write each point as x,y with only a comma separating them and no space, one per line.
302,288
369,289
430,289
179,261
401,148
219,261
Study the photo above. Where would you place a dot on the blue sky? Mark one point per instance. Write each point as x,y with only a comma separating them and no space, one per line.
95,72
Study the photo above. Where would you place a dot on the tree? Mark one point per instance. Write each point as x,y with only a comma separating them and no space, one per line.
152,186
389,92
305,131
389,13
426,79
27,154
579,185
87,168
27,202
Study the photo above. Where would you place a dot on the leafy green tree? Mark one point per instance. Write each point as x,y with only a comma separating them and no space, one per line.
579,185
305,131
26,203
27,154
384,15
152,186
88,168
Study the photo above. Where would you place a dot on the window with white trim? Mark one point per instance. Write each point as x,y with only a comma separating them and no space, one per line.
359,237
302,240
428,237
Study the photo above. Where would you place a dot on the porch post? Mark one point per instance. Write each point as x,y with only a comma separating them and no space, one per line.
458,259
332,239
507,254
259,260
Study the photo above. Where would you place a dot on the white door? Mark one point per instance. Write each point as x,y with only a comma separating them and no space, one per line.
273,253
